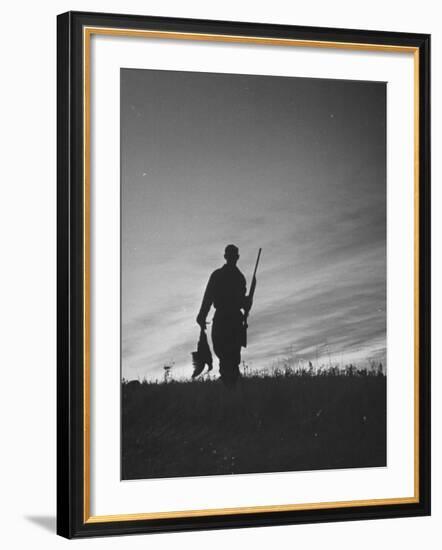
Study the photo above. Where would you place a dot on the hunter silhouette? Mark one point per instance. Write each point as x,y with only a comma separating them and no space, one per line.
226,291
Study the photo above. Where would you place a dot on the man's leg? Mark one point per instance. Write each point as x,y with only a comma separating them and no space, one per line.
229,370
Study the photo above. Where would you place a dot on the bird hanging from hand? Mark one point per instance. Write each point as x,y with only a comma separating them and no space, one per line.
202,356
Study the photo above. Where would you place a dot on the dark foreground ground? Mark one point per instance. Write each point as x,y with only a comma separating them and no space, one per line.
274,424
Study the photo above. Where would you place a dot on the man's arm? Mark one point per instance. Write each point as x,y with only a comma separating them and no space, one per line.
206,304
246,305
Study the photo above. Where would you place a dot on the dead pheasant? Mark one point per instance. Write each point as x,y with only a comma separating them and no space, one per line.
202,356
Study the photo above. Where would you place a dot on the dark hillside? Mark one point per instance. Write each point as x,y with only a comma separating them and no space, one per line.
272,424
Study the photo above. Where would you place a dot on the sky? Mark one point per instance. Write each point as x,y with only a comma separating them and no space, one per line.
296,166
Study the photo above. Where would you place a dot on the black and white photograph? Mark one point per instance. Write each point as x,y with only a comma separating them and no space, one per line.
253,274
243,273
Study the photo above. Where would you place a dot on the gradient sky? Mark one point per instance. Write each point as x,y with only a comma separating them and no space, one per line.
296,166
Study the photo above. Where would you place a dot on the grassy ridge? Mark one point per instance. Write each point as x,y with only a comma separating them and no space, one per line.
271,424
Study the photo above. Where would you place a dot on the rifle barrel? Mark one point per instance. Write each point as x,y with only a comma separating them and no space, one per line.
257,262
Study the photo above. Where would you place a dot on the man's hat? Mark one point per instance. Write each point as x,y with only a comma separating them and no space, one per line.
231,250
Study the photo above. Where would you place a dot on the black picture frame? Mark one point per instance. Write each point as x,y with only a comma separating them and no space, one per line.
72,506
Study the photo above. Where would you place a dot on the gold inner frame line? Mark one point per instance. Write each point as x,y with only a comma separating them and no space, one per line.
87,33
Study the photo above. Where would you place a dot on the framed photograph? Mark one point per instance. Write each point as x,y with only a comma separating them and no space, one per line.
243,274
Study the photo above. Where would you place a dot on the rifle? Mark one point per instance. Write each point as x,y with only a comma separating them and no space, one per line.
250,301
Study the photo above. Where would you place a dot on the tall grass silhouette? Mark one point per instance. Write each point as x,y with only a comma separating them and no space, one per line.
289,420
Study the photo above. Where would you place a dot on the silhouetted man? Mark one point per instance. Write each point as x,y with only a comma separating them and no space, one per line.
226,291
